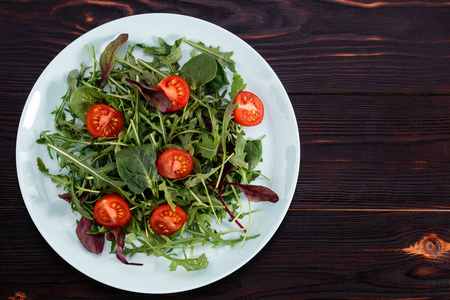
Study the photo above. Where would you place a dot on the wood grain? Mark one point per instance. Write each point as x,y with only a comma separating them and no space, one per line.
369,83
313,46
370,259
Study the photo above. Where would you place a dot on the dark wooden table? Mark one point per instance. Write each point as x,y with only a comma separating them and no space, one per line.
370,85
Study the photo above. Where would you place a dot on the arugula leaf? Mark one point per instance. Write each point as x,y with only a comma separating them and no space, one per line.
61,180
108,57
196,179
99,174
237,86
165,55
190,264
137,167
238,159
207,148
224,58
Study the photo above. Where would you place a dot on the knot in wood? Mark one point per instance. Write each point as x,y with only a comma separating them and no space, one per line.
432,246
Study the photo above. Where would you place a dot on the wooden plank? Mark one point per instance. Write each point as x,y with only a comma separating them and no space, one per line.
373,151
314,46
325,255
11,105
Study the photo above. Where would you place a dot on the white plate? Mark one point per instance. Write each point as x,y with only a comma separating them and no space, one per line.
54,218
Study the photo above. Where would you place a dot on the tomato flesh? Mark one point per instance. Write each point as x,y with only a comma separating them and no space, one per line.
104,121
166,221
112,211
250,110
176,89
175,164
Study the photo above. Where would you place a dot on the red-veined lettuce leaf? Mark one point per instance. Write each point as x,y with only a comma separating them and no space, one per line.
108,57
256,193
119,235
156,99
92,242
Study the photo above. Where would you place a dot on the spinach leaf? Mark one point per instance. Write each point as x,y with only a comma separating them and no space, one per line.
219,81
83,99
137,167
199,70
253,149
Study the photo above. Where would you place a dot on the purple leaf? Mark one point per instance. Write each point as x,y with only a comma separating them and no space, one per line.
119,235
156,99
108,57
68,197
256,193
92,242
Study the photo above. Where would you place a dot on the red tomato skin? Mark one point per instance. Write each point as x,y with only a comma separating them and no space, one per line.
165,221
175,164
104,121
250,110
177,89
112,211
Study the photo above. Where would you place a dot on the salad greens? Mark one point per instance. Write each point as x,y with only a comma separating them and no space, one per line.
224,161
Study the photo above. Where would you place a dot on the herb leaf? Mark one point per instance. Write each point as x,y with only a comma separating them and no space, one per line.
108,57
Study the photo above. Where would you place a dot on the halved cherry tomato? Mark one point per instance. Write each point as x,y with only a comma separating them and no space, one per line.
250,110
102,120
165,221
112,211
177,89
175,164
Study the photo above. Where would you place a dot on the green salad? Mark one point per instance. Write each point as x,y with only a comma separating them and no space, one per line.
153,155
